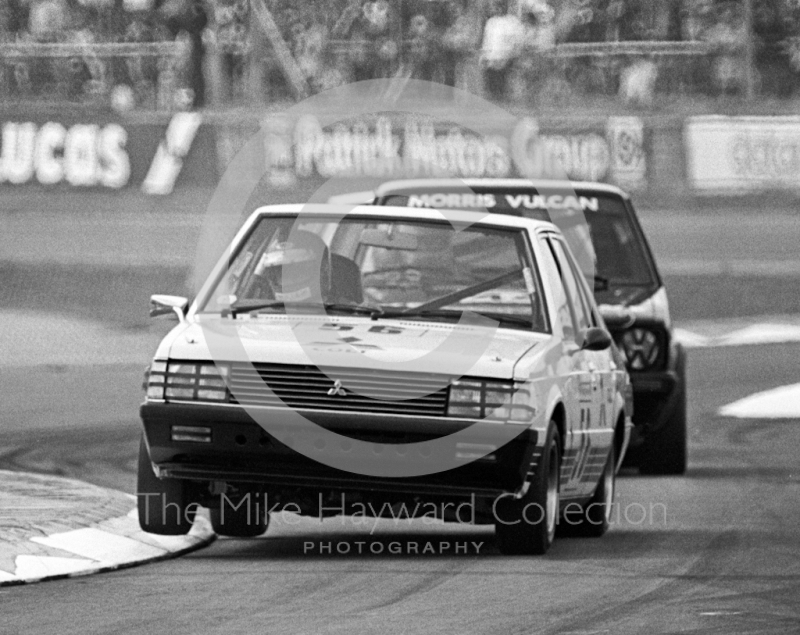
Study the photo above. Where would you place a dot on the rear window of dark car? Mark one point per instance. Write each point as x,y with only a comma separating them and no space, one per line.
621,255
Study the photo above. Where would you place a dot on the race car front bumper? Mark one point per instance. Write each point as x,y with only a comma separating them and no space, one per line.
226,444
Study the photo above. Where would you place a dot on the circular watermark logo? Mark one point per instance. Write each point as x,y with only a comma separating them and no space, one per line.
295,332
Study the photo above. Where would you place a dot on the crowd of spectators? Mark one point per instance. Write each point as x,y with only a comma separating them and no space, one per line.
89,72
507,45
504,45
344,40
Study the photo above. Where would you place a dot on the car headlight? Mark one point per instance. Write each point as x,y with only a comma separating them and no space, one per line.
187,381
475,399
642,348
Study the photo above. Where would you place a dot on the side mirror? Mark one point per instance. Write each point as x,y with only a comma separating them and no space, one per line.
615,316
600,283
596,339
165,304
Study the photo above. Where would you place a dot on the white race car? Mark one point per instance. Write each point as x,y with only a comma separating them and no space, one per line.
344,361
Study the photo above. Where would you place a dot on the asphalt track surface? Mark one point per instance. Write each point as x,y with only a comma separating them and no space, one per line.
715,551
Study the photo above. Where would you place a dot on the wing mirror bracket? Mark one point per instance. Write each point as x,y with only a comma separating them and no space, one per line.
166,304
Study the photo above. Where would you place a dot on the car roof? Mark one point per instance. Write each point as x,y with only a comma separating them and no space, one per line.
555,184
339,211
353,198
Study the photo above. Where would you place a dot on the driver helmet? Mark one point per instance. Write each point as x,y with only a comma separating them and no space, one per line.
297,269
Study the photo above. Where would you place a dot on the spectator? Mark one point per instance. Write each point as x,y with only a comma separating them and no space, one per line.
374,51
49,20
7,29
695,18
459,41
776,26
538,38
228,48
380,21
579,21
728,38
106,19
190,17
10,19
358,53
502,39
540,30
308,49
420,56
614,14
142,73
638,82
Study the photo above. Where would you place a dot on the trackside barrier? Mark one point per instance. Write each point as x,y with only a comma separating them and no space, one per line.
663,161
105,151
300,154
742,155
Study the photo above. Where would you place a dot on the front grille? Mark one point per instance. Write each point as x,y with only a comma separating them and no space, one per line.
662,337
306,387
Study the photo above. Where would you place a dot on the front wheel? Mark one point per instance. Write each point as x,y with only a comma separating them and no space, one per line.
165,505
595,516
242,518
528,525
667,456
665,452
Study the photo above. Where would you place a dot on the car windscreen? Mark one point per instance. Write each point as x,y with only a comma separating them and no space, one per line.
424,270
620,256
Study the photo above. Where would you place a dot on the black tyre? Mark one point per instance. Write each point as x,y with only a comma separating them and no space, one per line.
242,518
165,506
528,525
594,519
665,451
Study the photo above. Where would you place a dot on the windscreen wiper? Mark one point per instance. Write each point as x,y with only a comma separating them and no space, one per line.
406,313
527,322
312,307
455,315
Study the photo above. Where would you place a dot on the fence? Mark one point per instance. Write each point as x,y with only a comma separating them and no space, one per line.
634,71
88,72
151,76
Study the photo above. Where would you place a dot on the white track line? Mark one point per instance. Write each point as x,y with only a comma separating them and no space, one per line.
111,544
778,403
714,334
101,546
736,268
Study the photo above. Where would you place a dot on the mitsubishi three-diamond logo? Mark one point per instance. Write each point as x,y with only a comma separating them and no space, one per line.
337,390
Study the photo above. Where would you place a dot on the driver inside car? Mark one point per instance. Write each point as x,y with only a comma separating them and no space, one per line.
297,269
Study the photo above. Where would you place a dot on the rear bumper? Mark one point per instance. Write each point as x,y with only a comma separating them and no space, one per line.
240,451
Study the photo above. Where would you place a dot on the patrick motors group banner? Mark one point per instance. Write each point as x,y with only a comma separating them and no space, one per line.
742,154
300,150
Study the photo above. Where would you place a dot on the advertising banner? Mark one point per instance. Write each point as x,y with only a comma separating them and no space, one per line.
729,155
299,151
96,151
107,152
